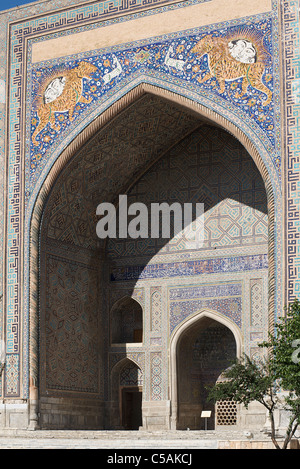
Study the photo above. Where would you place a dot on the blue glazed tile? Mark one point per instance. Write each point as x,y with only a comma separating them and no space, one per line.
175,57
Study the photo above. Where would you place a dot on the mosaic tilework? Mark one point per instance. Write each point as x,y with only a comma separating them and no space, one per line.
228,307
84,183
126,321
15,119
256,303
70,327
156,378
290,13
179,58
13,278
156,311
256,353
240,219
131,375
226,299
137,294
219,173
256,336
203,266
156,341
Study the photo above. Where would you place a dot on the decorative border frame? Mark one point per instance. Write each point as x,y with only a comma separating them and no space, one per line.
290,19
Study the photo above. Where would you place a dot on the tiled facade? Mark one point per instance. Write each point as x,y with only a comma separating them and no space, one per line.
104,97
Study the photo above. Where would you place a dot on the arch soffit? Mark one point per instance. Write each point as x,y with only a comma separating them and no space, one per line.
118,302
121,363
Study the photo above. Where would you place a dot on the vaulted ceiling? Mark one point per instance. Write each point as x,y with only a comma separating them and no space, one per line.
122,151
109,163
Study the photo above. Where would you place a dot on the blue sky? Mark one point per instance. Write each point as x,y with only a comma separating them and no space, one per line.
6,4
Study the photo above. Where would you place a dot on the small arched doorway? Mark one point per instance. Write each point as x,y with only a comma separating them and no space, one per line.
126,393
201,349
131,396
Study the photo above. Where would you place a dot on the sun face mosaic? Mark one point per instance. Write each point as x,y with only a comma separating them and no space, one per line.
235,64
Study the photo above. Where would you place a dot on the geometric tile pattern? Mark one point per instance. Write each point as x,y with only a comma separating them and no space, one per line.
191,268
131,375
156,310
84,183
126,321
208,167
229,307
70,327
156,378
256,303
291,73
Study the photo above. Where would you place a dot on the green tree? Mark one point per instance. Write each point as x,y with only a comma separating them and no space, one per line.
284,347
273,381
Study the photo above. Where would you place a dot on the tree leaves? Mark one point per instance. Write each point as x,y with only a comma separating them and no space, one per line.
272,381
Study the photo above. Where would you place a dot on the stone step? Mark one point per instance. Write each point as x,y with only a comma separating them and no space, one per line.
116,444
125,440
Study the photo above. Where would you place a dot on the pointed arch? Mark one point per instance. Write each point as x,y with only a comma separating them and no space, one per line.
126,378
123,100
126,321
117,369
175,338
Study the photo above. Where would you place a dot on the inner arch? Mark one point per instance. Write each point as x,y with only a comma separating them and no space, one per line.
204,350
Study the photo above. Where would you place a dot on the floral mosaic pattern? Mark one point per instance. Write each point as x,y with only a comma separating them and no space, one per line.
230,307
190,268
213,61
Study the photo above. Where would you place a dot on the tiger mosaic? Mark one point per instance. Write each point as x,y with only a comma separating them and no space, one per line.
233,59
233,65
61,95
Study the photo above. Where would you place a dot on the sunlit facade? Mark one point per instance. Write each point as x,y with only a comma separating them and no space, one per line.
192,102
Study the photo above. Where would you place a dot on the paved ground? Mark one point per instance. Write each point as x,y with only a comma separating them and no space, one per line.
133,440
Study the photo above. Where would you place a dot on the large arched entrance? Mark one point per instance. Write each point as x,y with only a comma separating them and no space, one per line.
81,278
